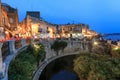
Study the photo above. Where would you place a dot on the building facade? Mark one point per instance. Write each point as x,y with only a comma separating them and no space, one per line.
75,31
4,23
39,27
70,30
12,15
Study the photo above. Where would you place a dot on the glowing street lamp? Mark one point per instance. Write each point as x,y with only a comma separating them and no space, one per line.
95,43
116,48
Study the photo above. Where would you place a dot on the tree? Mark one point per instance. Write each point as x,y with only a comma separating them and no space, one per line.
63,45
97,67
39,52
22,67
58,45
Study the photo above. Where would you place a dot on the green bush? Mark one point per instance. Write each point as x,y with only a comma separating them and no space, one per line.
58,45
97,67
22,67
118,51
115,53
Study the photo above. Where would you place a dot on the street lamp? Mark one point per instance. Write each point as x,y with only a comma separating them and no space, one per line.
95,43
116,48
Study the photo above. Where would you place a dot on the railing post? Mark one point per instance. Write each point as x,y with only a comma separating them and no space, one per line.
41,40
87,49
32,40
2,65
23,42
81,45
12,46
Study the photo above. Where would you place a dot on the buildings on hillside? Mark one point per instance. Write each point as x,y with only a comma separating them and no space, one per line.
76,31
12,15
33,26
4,23
8,21
47,30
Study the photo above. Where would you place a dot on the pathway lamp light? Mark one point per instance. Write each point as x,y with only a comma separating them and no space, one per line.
95,43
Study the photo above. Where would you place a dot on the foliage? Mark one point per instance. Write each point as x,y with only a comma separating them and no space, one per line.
22,67
63,44
39,52
97,67
116,53
101,48
58,45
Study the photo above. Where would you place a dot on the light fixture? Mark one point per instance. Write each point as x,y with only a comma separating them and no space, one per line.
95,43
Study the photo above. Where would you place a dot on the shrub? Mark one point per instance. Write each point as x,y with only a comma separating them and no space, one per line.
116,53
58,45
97,67
22,67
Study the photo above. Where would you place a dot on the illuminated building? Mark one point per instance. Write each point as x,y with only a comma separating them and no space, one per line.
39,27
32,26
75,31
25,25
4,24
12,15
46,30
71,30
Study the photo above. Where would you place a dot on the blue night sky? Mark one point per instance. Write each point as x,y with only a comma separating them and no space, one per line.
101,15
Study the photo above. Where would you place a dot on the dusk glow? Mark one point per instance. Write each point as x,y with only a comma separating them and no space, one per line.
59,39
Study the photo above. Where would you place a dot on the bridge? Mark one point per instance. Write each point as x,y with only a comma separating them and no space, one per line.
12,48
74,47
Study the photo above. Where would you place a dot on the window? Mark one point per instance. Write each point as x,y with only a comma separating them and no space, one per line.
11,20
3,21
